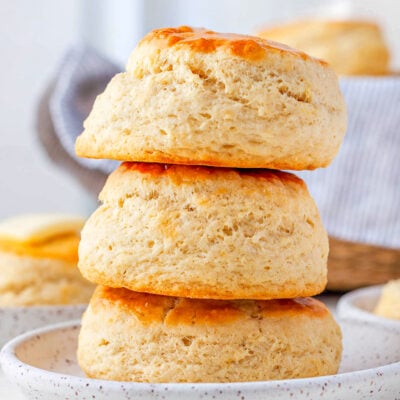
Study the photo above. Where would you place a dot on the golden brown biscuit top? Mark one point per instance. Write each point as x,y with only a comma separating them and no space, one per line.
61,247
172,311
333,26
189,173
288,307
42,235
177,172
206,41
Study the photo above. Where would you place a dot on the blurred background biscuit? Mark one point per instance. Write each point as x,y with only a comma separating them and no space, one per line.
258,104
350,47
205,232
38,261
130,336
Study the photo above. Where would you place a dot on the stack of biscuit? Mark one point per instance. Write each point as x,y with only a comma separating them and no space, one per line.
203,251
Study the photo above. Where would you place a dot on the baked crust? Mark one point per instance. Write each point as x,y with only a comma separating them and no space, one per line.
197,97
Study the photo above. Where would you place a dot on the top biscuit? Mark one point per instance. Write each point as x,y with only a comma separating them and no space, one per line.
193,96
350,47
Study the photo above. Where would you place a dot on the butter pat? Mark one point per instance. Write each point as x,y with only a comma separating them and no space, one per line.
389,303
35,228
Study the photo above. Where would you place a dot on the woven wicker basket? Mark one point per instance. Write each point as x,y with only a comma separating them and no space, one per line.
353,265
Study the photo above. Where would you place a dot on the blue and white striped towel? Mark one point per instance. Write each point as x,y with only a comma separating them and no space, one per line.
359,193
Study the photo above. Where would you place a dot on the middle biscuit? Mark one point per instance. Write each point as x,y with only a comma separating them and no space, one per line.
203,232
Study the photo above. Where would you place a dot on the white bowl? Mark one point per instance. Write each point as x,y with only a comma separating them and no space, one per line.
17,320
43,365
359,305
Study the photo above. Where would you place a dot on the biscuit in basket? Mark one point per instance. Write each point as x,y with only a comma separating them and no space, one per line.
38,261
197,97
351,47
205,232
150,338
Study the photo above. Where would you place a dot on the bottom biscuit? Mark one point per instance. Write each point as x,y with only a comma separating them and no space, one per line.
131,336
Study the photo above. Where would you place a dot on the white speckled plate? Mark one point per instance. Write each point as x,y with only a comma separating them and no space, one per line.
359,305
17,320
43,364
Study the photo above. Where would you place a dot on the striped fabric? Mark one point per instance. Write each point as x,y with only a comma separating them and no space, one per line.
358,194
82,76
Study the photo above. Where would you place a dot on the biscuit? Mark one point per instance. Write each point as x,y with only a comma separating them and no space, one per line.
38,261
205,232
350,47
36,228
196,97
389,303
151,338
